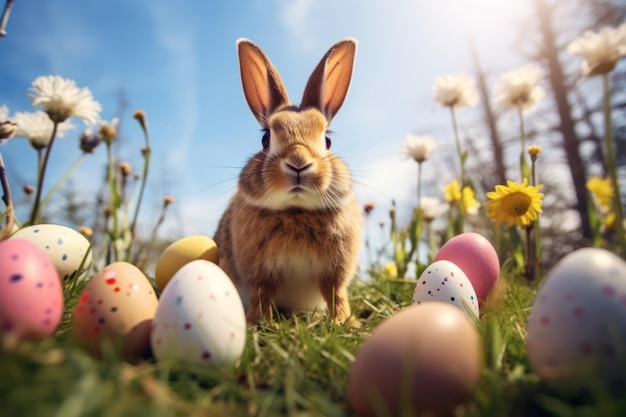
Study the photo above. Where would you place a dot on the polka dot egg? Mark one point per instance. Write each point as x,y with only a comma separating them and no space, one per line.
65,247
116,308
577,326
200,318
31,297
444,281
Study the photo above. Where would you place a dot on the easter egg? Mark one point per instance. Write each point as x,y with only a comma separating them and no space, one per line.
181,252
200,318
426,358
577,325
31,297
444,281
116,308
65,247
477,257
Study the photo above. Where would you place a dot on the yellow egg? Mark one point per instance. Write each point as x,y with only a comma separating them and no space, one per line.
116,308
182,252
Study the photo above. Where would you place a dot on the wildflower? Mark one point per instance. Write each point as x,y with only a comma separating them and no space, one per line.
7,130
61,99
89,140
108,130
466,196
391,270
368,207
602,190
534,151
432,208
37,128
519,88
86,231
418,147
455,91
167,200
515,203
125,169
600,50
7,127
140,116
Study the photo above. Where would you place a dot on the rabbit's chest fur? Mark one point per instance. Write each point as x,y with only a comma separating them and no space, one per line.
294,250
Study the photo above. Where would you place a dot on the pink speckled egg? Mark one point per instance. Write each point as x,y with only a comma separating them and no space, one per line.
200,318
477,257
116,308
444,281
577,325
31,297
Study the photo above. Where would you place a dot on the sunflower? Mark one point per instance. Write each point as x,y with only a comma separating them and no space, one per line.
515,203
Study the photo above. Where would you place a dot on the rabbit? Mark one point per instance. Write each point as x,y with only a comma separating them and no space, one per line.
290,236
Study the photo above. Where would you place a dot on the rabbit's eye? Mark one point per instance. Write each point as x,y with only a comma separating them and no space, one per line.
328,142
265,140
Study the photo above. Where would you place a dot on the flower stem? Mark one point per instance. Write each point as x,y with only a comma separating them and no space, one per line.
529,269
459,149
146,151
115,203
8,201
418,214
524,169
538,255
612,165
63,179
35,215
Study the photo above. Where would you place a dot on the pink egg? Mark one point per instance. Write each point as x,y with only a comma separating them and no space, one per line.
477,257
31,297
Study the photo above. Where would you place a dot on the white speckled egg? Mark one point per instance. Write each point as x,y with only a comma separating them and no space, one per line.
116,307
577,326
65,247
444,281
200,318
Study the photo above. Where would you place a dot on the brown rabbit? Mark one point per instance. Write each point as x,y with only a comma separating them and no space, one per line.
291,234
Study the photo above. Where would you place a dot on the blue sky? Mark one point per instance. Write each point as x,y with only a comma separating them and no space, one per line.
177,61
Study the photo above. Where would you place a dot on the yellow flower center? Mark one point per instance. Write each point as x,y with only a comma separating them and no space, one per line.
516,204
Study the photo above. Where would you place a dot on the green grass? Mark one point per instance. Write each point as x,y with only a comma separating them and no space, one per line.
297,367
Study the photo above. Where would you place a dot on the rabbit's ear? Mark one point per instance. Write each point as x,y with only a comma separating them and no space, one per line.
262,85
328,84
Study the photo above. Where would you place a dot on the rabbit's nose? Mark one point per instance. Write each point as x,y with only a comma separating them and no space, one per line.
298,169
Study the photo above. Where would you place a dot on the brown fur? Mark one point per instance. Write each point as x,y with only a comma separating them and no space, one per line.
292,230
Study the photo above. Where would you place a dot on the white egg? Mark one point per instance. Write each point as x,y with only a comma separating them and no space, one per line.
65,247
577,326
444,281
200,317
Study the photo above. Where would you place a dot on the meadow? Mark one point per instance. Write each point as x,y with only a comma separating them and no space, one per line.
299,366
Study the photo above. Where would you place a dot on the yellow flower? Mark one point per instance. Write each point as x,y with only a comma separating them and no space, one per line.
469,201
602,191
515,203
453,194
391,270
534,151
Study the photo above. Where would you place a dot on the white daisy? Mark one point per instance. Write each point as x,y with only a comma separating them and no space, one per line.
455,91
432,208
520,88
600,50
61,99
37,128
418,147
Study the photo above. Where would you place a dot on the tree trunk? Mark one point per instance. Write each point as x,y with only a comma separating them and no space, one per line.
566,126
490,118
